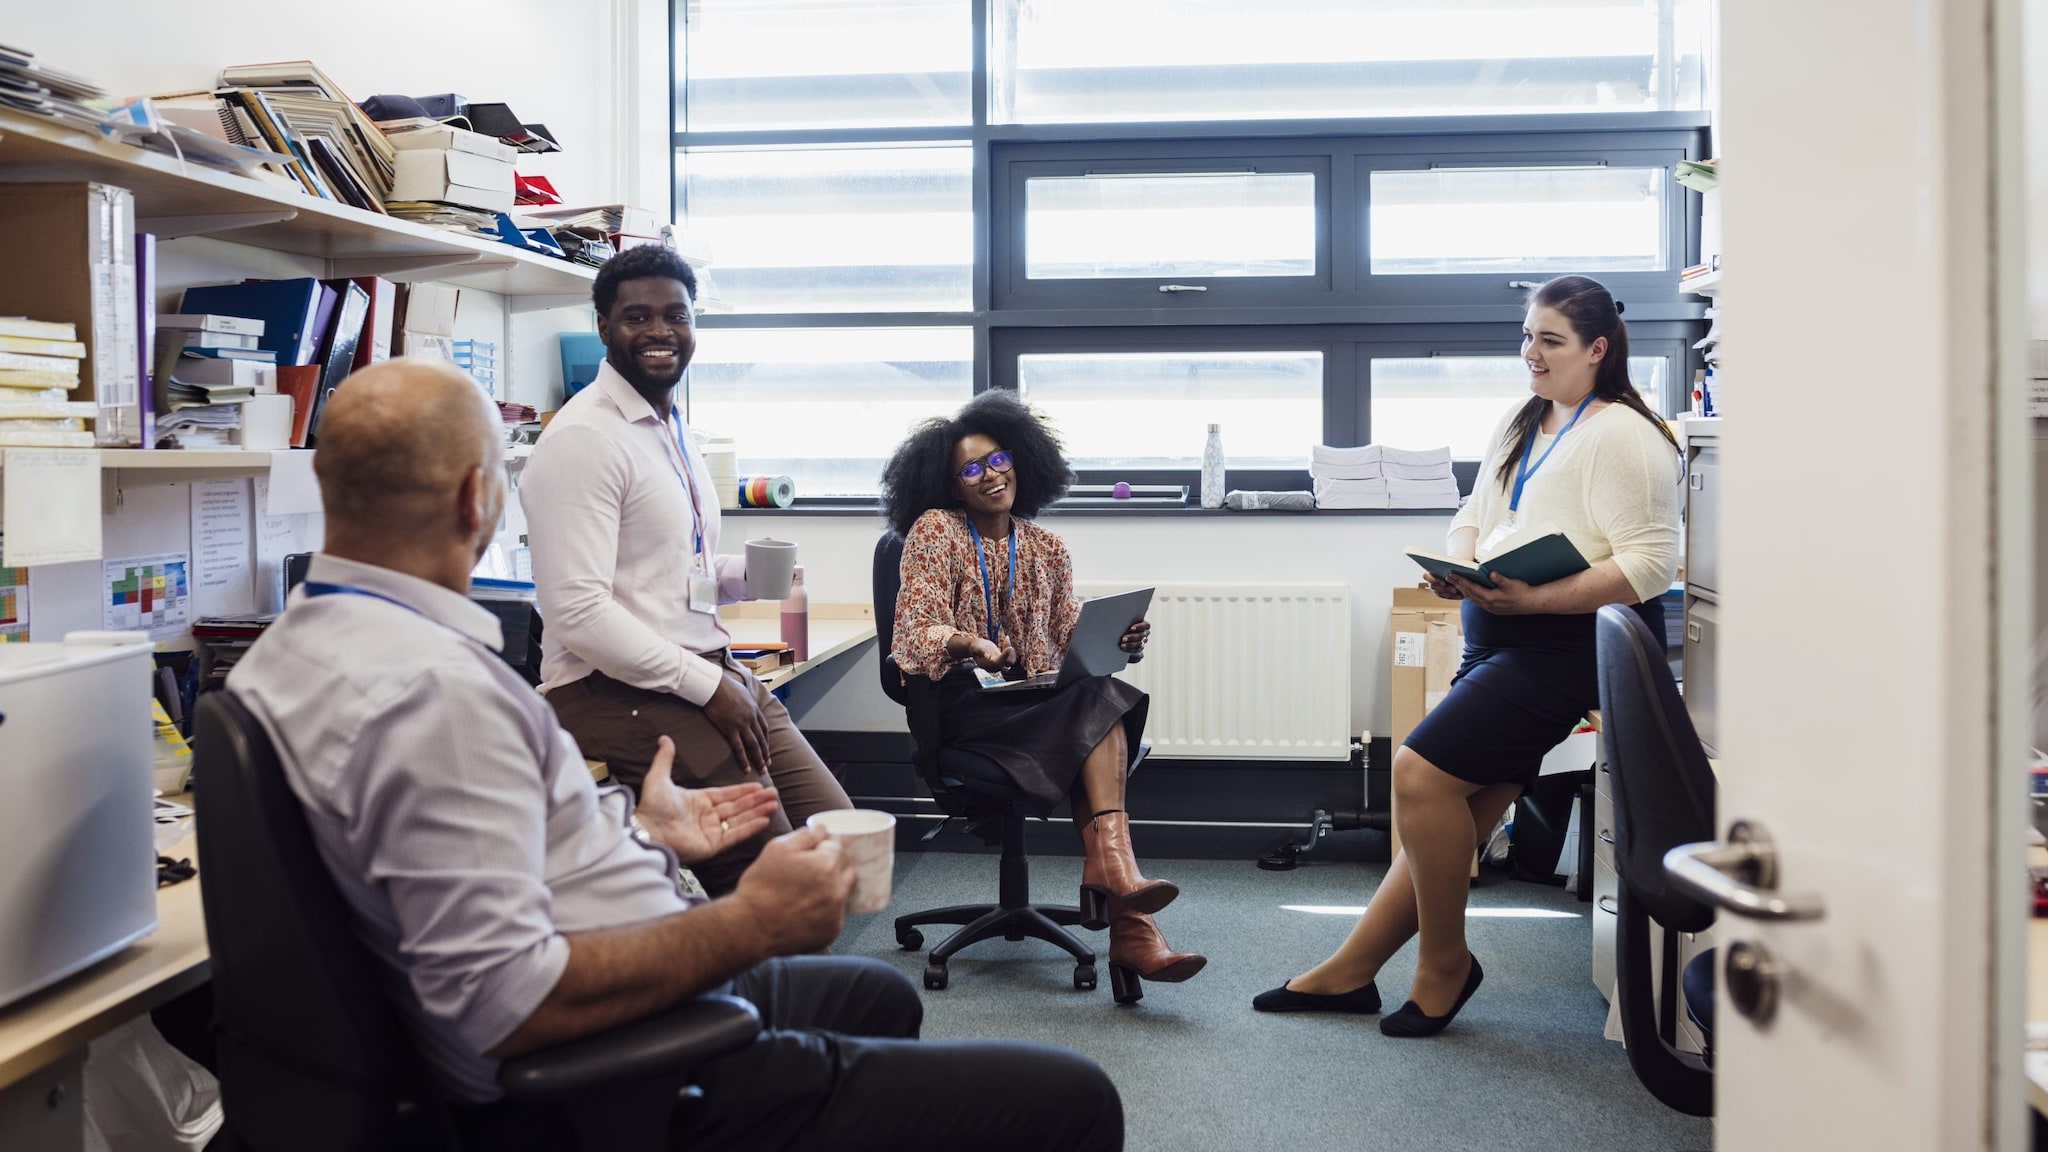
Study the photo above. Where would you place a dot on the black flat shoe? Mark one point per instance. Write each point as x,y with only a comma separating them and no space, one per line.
1358,1002
1411,1021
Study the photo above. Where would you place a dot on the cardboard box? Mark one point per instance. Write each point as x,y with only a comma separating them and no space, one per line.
1428,645
449,138
71,259
453,177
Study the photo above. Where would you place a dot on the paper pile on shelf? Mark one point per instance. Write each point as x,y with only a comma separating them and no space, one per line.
48,91
1707,383
39,369
1376,476
199,398
337,152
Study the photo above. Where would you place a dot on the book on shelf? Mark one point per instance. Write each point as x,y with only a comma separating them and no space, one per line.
199,340
338,352
29,329
65,349
39,378
1530,558
225,325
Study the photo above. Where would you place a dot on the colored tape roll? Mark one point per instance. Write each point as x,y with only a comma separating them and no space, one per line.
767,492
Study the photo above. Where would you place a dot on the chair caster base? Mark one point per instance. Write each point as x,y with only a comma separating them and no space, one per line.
935,976
1084,977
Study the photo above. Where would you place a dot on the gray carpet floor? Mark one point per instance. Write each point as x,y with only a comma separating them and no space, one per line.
1524,1066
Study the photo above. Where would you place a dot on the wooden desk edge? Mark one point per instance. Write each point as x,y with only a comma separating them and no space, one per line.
157,968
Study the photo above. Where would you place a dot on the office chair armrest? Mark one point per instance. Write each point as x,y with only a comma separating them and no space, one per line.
676,1041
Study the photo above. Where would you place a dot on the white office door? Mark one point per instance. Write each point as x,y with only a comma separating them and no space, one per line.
1865,310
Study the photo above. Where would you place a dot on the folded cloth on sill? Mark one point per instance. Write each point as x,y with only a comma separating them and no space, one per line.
1276,501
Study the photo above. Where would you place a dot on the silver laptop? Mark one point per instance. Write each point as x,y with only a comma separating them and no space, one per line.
1095,649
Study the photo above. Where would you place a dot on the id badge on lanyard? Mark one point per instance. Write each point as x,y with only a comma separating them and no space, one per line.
703,585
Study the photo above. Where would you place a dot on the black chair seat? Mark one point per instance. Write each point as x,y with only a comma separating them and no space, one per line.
312,1056
972,788
1663,793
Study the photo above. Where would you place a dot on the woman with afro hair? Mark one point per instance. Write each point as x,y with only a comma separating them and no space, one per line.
984,586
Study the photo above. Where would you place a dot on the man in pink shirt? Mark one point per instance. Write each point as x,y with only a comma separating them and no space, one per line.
623,522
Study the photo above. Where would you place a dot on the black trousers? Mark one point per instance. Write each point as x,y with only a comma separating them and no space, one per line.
838,1066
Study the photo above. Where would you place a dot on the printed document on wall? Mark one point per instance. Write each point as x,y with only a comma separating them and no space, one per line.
150,594
223,581
52,506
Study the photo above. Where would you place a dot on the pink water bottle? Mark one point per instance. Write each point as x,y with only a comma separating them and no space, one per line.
796,616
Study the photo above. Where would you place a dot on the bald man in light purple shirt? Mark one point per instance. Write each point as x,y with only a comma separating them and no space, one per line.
501,890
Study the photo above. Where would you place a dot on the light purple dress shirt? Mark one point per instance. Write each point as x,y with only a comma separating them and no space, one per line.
613,527
456,816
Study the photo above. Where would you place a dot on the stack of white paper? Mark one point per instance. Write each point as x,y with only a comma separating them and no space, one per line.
1376,476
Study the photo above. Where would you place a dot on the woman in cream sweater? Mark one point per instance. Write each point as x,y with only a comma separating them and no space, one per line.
1583,456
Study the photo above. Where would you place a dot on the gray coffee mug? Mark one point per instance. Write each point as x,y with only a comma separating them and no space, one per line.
771,565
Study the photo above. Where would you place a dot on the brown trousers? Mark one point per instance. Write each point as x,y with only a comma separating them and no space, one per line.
618,724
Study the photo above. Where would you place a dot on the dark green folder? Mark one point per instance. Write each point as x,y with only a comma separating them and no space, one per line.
1540,561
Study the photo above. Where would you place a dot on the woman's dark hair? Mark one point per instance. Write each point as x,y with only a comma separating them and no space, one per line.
920,475
1593,312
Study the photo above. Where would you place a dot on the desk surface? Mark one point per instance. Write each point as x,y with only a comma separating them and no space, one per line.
164,964
835,629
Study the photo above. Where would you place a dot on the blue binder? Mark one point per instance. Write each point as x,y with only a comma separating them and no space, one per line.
288,309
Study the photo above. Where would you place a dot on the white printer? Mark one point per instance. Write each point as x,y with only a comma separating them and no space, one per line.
77,826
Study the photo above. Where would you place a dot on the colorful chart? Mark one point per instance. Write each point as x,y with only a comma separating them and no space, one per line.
148,594
13,605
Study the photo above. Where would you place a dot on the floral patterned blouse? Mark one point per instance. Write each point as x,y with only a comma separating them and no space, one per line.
942,594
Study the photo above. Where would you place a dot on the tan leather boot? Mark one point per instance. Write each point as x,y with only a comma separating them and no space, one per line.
1110,880
1137,950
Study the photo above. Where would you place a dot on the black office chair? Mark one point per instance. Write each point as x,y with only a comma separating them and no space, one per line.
1663,797
975,790
312,1056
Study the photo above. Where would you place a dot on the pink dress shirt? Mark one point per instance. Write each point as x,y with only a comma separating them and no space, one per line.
613,527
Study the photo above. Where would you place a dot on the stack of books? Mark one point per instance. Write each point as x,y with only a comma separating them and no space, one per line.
1376,476
39,369
293,108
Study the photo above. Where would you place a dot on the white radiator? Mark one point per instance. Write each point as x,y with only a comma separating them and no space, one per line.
1246,671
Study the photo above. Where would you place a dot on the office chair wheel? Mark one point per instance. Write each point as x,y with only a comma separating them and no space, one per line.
935,976
909,939
1084,977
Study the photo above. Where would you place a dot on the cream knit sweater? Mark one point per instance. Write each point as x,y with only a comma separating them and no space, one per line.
1612,487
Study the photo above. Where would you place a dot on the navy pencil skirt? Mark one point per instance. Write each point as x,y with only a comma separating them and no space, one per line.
1525,683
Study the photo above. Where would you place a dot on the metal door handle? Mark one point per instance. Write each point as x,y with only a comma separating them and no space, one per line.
1740,876
1608,905
1606,837
1183,287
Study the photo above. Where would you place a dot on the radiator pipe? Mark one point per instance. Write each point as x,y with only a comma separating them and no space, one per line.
1333,818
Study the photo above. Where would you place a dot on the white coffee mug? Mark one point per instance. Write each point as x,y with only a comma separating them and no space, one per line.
868,838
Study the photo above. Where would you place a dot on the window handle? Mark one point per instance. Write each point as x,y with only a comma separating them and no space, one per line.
1529,285
1183,287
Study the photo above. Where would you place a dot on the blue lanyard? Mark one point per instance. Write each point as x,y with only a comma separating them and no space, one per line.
312,588
1523,473
689,484
988,594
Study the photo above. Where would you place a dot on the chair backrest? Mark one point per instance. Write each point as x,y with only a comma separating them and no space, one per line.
1663,786
312,1055
888,580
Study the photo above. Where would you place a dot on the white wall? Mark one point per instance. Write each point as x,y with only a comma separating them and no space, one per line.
1361,551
